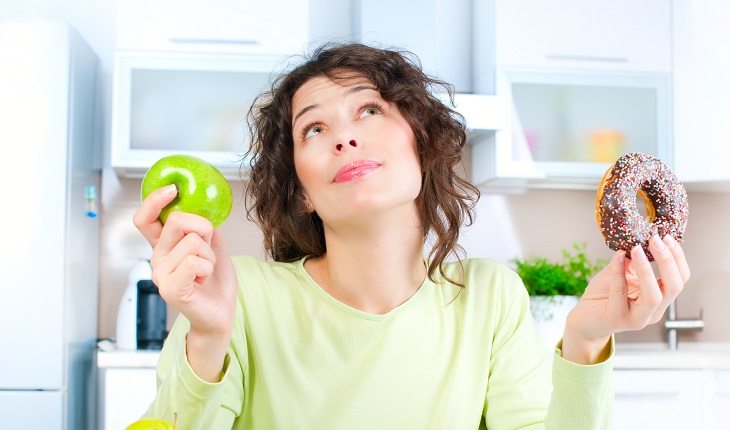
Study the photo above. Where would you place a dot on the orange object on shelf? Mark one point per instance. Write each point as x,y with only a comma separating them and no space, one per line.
606,145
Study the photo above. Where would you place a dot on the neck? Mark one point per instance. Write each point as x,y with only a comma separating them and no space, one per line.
373,265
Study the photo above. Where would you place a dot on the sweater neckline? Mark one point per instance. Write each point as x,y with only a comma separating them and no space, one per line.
410,302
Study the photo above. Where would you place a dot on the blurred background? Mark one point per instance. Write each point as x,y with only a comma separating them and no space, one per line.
552,92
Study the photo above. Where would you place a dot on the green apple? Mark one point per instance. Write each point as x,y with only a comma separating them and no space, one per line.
151,424
202,189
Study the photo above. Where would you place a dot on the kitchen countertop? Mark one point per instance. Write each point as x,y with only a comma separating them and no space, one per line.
690,355
712,356
127,359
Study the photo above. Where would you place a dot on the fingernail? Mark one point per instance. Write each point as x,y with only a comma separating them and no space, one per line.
659,243
670,241
637,253
169,190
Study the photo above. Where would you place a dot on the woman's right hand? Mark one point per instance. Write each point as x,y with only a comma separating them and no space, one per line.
190,266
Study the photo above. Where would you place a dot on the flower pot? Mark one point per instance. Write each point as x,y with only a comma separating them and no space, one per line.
549,314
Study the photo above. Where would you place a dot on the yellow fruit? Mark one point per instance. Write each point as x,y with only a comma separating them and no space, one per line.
151,424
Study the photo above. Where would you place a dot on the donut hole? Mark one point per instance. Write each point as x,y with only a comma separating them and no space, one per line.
645,206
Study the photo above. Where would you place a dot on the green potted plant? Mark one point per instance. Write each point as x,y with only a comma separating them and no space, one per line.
555,287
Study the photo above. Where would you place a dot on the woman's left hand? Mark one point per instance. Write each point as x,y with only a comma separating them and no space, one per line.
624,296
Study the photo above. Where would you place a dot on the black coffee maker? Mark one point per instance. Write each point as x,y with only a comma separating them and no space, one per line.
142,316
151,316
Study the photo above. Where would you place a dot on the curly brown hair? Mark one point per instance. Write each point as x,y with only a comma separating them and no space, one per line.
445,200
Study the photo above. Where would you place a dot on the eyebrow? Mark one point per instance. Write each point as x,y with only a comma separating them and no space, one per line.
347,93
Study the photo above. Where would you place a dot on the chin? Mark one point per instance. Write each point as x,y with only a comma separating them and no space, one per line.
368,207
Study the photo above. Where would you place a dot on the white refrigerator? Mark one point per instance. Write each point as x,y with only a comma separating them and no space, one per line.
49,231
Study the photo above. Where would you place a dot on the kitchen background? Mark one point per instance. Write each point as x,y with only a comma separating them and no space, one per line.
535,220
510,222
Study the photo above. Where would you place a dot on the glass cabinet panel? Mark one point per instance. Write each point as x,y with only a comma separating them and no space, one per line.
573,124
180,103
192,110
581,123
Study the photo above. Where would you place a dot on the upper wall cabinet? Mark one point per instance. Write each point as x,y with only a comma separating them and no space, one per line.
184,103
439,32
563,129
582,83
623,35
702,93
197,104
214,26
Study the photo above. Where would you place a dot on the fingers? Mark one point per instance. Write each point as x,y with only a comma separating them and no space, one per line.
657,294
191,269
671,280
673,269
177,226
146,219
191,244
679,257
650,297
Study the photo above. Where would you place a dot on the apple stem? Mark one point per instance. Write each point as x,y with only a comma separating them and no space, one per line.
174,420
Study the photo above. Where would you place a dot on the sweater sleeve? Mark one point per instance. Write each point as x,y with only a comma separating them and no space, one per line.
198,404
521,394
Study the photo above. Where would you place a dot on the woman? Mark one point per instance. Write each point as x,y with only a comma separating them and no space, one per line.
350,327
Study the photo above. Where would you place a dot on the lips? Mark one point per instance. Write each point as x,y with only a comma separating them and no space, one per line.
355,169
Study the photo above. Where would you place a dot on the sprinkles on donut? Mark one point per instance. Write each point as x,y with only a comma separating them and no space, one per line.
622,225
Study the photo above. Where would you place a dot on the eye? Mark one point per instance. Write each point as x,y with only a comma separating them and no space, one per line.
311,130
370,109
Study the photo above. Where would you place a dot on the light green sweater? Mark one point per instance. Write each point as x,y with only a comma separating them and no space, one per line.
444,359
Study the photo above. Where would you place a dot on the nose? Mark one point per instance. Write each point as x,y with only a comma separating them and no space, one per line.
352,143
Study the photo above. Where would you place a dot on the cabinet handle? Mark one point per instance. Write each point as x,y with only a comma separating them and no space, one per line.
564,57
191,41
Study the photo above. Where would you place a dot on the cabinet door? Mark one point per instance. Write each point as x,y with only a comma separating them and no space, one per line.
659,399
702,91
437,31
585,34
125,395
240,26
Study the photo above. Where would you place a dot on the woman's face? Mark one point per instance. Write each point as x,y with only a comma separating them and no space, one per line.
354,153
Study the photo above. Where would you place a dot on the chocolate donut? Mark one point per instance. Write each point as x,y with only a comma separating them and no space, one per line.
636,174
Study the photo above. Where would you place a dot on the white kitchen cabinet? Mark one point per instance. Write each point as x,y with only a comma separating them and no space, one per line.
127,386
720,406
184,103
660,399
702,92
619,35
126,394
275,27
439,32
